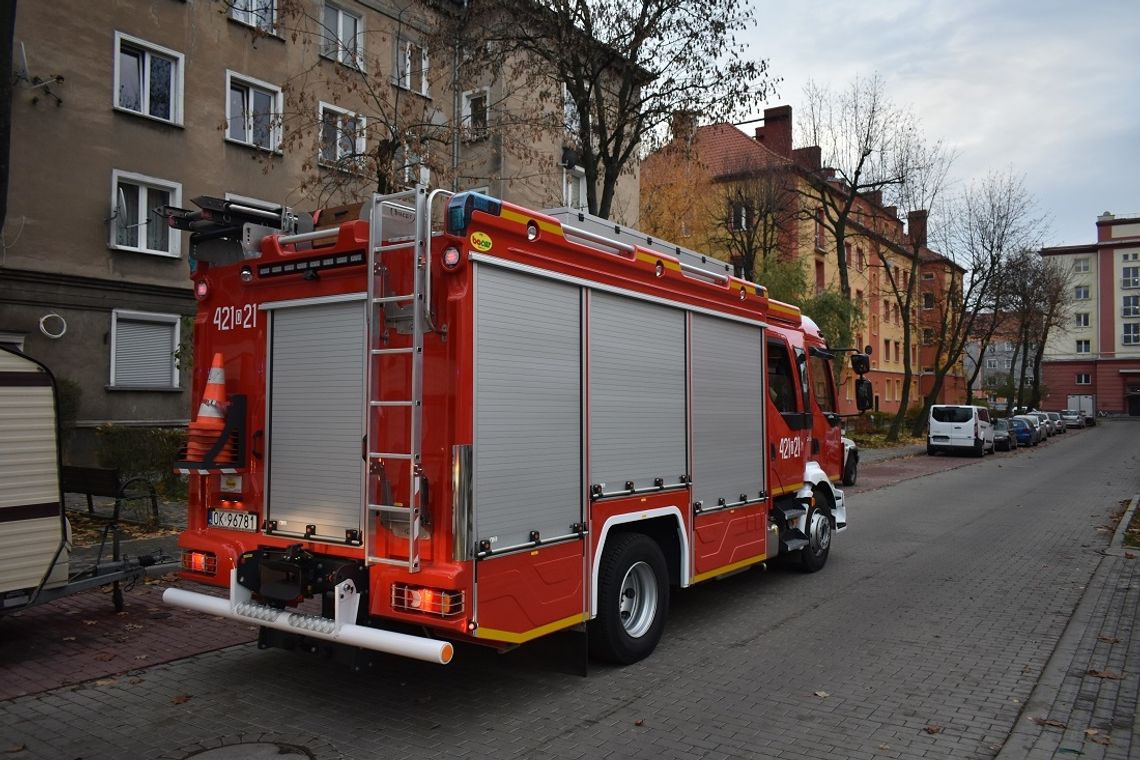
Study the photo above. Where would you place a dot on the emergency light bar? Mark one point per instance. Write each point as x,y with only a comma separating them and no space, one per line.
460,207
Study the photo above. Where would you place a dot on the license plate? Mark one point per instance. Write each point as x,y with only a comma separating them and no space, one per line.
232,519
941,438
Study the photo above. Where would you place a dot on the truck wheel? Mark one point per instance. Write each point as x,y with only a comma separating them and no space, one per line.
633,598
814,556
851,471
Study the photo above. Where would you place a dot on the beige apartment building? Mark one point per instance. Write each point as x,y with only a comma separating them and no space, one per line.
124,106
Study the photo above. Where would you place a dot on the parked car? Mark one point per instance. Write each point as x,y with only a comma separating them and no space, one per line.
850,462
1022,431
1036,425
1046,423
1072,418
1059,425
1004,439
959,428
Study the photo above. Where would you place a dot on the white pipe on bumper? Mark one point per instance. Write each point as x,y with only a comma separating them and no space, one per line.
241,607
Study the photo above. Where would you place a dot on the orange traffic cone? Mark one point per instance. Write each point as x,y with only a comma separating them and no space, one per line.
211,419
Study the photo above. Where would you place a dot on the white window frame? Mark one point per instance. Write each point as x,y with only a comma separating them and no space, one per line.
1081,264
334,44
1085,344
361,142
253,13
143,216
413,167
1081,319
1084,378
739,217
251,84
146,316
1130,334
471,131
149,49
1130,278
405,48
1130,306
574,178
1081,293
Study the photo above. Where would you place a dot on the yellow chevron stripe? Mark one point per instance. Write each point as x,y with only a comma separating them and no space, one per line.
518,638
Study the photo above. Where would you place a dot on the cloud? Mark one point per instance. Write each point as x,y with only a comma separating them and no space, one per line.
1048,87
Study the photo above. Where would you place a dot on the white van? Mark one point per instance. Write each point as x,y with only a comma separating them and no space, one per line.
960,428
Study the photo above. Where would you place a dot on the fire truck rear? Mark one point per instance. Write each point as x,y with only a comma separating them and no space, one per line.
455,419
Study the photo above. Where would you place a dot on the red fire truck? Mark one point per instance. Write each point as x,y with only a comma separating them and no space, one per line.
455,419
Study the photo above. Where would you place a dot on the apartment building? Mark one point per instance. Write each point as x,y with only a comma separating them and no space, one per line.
718,189
124,106
1099,351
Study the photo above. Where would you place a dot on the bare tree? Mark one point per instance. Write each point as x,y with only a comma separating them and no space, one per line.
622,68
859,131
1040,298
759,211
991,221
923,168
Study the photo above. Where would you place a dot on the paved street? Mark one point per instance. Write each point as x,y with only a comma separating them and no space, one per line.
971,611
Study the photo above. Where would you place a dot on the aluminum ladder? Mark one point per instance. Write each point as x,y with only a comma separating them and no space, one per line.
399,226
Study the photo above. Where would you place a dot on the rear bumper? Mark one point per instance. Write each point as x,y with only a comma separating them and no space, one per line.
341,629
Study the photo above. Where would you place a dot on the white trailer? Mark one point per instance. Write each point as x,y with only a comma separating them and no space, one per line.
35,536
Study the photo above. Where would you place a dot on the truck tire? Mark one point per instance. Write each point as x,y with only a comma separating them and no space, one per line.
633,599
851,469
818,528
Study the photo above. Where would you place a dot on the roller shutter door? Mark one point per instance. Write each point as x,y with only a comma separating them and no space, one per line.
728,404
316,421
528,395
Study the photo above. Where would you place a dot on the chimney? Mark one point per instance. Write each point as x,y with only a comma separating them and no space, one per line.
874,197
808,158
916,227
682,125
776,134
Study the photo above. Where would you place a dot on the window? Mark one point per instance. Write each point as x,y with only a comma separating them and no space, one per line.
142,349
991,363
886,350
886,310
927,336
1081,265
341,36
412,66
342,137
257,13
859,299
253,112
782,379
895,312
1130,278
820,231
1081,293
134,224
413,167
148,79
476,113
1130,306
1131,335
1083,347
821,383
1007,363
574,188
898,351
928,275
862,259
1081,319
738,217
928,300
1084,378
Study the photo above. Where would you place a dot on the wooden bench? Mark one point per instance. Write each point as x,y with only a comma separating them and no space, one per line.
104,481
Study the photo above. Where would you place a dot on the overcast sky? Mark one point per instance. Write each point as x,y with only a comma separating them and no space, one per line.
1050,88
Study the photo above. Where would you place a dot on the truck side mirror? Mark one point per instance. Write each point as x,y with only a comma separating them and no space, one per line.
860,363
864,393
